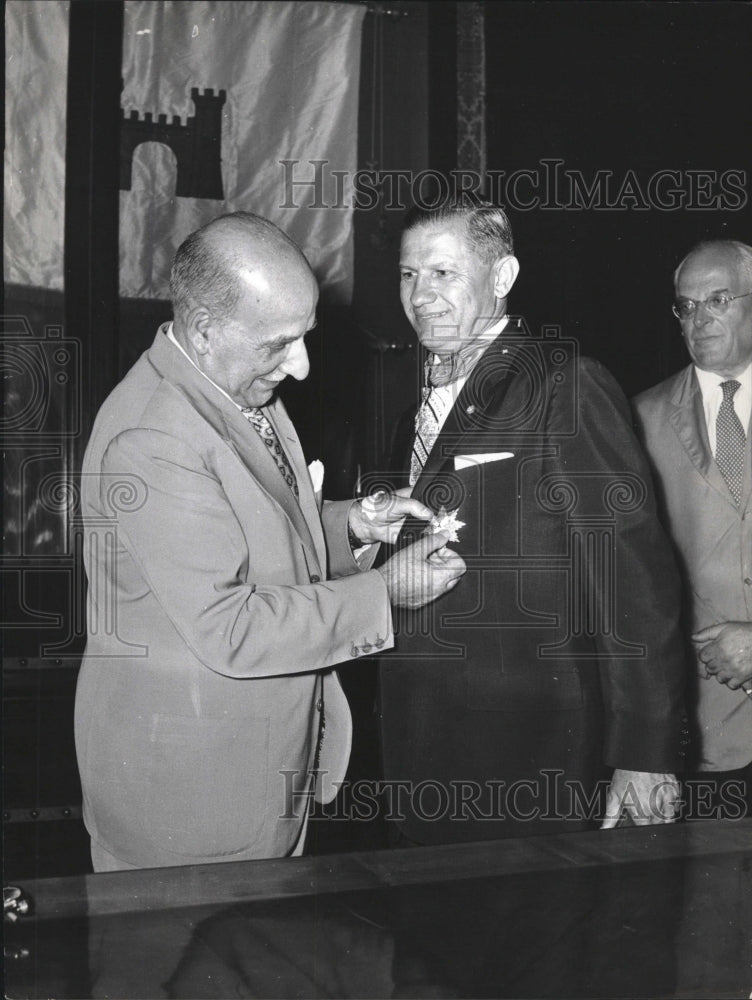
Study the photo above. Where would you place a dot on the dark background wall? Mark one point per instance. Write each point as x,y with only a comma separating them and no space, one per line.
645,87
597,87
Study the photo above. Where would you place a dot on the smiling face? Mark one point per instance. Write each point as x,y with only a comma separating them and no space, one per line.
251,352
449,294
246,299
720,344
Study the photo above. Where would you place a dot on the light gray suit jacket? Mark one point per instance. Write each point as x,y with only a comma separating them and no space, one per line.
713,537
216,610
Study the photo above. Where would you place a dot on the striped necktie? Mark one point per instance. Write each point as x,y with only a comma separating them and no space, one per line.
435,404
260,422
730,440
427,427
439,372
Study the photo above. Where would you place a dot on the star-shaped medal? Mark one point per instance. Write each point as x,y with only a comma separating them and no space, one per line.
446,520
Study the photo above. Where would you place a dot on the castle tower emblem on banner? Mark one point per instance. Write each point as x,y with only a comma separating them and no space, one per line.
197,145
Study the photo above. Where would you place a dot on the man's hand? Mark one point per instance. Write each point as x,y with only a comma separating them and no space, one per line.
421,572
726,652
645,797
379,517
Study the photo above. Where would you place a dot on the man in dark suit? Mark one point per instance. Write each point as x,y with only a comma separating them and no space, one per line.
695,427
557,660
221,592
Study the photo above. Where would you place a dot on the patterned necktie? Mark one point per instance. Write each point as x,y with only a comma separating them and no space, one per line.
259,420
443,370
426,432
439,371
432,411
729,441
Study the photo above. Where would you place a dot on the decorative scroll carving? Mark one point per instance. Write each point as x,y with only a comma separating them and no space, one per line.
471,88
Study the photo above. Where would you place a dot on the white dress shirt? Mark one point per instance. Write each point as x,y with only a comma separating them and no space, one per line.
712,397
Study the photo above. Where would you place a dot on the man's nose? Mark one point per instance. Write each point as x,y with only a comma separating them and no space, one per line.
422,291
701,315
296,363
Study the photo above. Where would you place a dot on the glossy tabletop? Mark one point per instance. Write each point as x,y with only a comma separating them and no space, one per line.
651,912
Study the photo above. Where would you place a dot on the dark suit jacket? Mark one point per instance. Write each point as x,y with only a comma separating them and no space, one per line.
558,652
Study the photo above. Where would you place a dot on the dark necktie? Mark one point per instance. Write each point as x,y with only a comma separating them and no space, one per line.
730,440
259,420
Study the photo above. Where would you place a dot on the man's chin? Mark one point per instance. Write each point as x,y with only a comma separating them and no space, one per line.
262,394
440,345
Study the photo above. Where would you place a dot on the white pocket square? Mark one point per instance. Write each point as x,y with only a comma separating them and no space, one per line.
466,461
316,472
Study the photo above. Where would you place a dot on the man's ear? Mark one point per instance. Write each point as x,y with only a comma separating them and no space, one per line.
506,270
198,329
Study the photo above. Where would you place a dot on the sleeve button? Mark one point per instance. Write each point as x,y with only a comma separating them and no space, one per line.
315,579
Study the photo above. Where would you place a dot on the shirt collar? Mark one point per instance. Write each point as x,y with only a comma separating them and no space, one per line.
493,331
710,381
456,368
171,337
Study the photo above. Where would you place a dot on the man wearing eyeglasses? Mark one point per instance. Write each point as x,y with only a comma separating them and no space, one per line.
695,427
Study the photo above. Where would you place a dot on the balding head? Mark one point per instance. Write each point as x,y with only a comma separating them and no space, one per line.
717,277
243,298
215,264
728,252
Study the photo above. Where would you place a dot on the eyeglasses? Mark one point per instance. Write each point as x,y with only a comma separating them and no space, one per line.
716,304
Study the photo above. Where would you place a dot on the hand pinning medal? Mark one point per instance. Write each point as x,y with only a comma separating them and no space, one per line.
446,520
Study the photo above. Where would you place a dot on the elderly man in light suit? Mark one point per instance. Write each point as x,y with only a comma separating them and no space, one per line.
219,597
695,426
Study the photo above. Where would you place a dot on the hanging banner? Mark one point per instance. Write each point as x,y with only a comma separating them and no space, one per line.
36,69
225,107
238,106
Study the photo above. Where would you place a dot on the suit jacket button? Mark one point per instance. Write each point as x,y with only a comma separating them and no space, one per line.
315,579
319,705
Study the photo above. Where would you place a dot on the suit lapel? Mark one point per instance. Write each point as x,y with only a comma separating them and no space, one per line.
746,501
255,456
230,424
688,421
307,502
465,426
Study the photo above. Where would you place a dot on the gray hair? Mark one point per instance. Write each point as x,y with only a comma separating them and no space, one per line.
489,233
742,252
